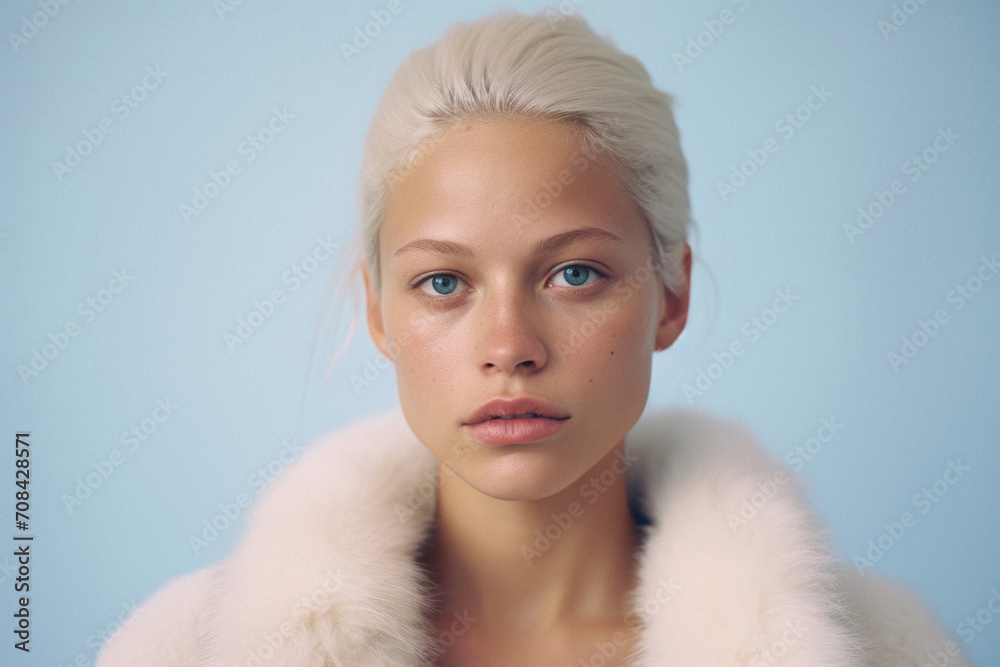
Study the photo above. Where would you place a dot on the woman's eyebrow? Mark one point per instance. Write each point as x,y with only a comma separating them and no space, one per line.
544,246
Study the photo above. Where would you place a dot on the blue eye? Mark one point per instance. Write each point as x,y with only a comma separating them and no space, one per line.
442,283
577,274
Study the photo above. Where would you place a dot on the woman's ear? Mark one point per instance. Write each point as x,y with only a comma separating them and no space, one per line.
376,327
674,308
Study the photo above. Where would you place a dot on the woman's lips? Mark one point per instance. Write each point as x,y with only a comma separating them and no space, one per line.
515,430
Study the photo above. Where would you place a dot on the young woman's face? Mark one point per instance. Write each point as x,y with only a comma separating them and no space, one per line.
512,265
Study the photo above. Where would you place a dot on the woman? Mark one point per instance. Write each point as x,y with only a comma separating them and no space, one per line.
524,253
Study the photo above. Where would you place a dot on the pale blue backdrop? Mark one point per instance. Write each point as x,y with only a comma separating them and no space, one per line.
121,308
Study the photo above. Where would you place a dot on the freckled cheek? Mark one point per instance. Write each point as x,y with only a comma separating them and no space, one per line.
593,336
430,389
619,379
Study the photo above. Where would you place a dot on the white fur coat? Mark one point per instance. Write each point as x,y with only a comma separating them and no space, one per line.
734,569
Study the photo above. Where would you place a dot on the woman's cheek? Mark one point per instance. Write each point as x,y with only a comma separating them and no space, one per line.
624,343
410,327
427,362
434,339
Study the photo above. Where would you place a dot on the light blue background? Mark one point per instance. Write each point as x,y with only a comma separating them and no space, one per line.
163,336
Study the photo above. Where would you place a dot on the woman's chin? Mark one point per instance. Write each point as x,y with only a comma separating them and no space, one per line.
518,475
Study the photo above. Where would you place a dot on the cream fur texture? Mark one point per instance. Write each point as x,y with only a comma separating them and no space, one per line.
325,572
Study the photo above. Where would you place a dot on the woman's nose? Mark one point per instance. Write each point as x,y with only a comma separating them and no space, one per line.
511,334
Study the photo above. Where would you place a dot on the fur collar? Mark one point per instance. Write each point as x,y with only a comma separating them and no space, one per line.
734,569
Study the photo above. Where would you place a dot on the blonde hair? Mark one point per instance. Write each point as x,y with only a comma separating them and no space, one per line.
553,68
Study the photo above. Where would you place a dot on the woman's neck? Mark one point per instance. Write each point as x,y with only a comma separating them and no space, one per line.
524,566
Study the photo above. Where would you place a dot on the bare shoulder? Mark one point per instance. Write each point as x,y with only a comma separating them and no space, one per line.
896,624
164,629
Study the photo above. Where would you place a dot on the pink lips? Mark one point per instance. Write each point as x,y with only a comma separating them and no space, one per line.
510,420
516,430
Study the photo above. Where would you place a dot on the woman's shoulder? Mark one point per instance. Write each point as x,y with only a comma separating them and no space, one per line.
679,431
706,478
895,623
164,629
682,447
310,515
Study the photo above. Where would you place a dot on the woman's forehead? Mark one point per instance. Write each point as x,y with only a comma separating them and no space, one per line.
524,177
